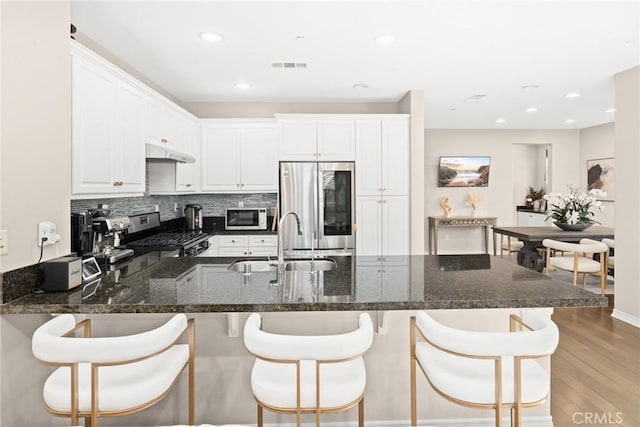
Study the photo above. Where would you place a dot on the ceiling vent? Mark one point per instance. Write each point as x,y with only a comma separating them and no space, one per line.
476,97
289,65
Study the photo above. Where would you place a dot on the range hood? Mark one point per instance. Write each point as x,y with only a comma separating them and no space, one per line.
158,151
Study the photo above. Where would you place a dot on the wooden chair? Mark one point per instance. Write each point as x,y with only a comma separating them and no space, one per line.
509,244
579,260
308,374
111,376
611,259
484,370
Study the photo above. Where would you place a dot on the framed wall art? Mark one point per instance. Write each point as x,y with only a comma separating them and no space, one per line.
601,174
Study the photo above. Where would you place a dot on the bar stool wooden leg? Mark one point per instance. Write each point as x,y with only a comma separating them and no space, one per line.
260,421
361,413
412,368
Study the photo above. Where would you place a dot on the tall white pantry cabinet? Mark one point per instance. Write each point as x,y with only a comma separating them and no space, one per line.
382,186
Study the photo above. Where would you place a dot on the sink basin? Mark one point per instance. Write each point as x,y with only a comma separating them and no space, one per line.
256,266
252,266
318,264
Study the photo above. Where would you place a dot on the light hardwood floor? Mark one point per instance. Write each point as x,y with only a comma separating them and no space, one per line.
595,372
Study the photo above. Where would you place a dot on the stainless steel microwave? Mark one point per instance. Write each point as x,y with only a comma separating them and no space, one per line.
246,219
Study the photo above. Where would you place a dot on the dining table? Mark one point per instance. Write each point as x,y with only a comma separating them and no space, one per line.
529,255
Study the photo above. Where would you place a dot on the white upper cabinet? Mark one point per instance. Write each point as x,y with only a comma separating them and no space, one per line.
107,129
239,157
312,138
382,156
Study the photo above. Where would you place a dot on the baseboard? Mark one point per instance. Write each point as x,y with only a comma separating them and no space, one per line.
540,421
627,318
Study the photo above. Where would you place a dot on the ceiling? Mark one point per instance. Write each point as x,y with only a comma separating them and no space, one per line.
449,49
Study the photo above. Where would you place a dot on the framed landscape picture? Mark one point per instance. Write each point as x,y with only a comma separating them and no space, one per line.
464,171
601,174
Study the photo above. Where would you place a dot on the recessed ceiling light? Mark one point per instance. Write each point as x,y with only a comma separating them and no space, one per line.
211,37
610,110
570,121
242,85
531,110
300,37
452,109
385,39
572,95
501,120
360,86
528,87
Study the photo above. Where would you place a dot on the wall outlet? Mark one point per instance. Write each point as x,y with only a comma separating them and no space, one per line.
4,242
46,233
241,204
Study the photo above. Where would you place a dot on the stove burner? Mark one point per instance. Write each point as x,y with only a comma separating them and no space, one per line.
189,244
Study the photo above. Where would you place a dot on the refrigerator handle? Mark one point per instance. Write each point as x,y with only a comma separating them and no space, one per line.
316,209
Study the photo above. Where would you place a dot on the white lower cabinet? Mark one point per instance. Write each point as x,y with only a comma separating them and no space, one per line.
382,281
382,226
240,245
532,219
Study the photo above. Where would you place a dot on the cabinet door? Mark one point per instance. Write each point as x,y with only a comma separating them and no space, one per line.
395,282
368,287
297,139
259,158
188,174
368,161
395,223
129,152
395,157
93,137
157,121
336,140
368,221
221,158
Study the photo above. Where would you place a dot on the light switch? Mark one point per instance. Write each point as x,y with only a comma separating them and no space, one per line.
4,242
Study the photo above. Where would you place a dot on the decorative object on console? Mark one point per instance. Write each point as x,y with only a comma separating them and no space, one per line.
534,196
473,199
601,176
574,211
469,171
446,207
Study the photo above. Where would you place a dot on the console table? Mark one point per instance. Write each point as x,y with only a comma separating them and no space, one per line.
460,221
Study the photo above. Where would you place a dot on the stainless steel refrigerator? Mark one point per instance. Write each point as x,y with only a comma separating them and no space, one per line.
323,196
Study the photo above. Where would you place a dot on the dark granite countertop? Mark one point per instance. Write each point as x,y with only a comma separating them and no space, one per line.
204,284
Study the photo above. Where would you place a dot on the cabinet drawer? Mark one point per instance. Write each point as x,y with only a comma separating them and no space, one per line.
257,241
233,241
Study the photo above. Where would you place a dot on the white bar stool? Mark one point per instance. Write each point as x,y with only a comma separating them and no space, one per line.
484,370
308,374
111,376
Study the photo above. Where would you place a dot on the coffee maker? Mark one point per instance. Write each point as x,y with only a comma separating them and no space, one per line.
107,235
82,235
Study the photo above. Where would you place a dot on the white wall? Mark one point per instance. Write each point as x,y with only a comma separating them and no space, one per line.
627,148
497,199
35,155
597,142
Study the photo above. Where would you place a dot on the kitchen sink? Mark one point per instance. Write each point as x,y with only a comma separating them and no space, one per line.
318,264
252,266
256,266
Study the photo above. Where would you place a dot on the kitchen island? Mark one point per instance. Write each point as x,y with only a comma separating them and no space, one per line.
476,292
200,285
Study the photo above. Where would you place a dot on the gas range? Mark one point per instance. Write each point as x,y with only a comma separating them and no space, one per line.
146,236
188,244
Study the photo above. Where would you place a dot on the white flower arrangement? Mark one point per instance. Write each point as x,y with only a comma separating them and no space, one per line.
575,207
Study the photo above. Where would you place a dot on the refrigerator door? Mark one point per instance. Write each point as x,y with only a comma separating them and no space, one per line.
335,205
298,190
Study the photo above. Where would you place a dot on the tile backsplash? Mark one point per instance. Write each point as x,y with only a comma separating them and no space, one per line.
212,204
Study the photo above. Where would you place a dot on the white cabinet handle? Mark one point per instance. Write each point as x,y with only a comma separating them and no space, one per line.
164,140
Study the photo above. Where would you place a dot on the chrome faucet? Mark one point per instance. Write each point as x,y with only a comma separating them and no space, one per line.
281,243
